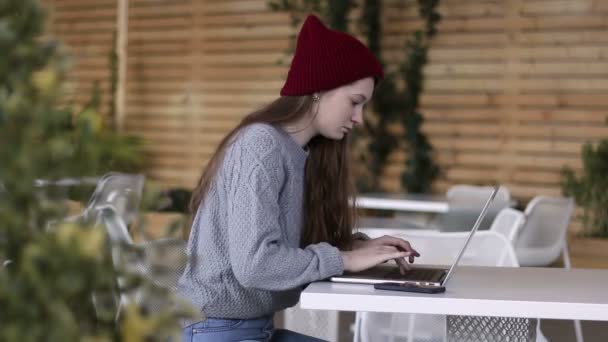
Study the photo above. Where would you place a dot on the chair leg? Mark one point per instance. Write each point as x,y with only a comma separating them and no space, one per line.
566,255
410,332
578,329
393,328
357,328
540,337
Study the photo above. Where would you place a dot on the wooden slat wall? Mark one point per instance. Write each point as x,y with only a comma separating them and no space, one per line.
513,87
194,68
85,29
161,78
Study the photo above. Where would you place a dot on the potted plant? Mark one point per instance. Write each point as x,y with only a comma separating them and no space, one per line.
590,190
57,283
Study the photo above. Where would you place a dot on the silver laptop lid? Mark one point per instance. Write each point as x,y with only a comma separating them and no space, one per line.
475,227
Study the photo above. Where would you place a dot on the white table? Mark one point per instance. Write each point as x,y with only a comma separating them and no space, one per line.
403,202
550,293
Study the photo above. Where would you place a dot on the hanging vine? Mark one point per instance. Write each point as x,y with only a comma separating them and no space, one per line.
380,141
392,103
335,12
420,170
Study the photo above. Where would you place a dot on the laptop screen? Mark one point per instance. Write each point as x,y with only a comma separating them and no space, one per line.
475,227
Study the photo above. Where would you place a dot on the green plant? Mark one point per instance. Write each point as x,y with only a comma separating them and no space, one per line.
120,152
401,104
113,63
335,11
391,102
386,103
420,170
590,189
49,276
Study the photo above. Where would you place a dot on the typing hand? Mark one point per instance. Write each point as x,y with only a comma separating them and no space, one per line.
366,257
399,244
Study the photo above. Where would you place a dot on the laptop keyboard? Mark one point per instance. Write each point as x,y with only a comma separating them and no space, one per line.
414,274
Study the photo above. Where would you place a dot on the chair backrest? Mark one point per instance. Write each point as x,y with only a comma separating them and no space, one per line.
465,203
508,222
543,235
547,220
476,191
106,216
122,191
161,261
115,227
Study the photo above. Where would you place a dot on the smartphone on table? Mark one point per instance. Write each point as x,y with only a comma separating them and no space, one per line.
407,287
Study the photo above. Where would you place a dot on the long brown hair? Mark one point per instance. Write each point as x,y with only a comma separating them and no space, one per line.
328,212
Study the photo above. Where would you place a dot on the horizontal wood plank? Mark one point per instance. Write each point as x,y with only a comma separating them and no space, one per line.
512,91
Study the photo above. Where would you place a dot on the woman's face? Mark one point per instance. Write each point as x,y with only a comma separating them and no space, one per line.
340,109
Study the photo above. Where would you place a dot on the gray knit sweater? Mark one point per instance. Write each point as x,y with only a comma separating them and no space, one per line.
245,260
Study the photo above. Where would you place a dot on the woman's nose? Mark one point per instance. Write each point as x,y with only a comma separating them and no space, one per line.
357,119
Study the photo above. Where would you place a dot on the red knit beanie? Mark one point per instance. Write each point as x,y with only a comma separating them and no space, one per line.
326,59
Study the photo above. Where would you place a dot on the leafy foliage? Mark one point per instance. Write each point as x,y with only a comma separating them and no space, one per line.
57,283
420,170
336,11
401,104
590,189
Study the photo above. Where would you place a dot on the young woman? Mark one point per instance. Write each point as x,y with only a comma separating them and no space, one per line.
271,209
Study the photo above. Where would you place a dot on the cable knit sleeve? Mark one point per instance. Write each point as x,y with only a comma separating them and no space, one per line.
259,256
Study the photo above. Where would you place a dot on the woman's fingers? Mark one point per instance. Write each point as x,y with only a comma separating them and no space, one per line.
400,244
403,265
365,258
399,257
390,242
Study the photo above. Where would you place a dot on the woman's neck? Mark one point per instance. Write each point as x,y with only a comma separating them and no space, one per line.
301,132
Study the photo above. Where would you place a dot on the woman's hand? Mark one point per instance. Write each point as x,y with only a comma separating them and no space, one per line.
398,245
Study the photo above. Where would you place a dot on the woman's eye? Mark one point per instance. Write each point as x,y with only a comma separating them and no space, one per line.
354,103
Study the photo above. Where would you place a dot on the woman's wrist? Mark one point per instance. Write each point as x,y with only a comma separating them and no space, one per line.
359,240
346,259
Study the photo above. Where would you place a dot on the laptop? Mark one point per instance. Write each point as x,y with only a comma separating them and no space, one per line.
419,275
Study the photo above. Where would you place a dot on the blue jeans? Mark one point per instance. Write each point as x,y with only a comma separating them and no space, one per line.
241,330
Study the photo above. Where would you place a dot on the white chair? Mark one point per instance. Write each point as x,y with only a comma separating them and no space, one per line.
543,237
477,191
465,203
508,222
487,248
118,236
160,261
121,191
323,324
